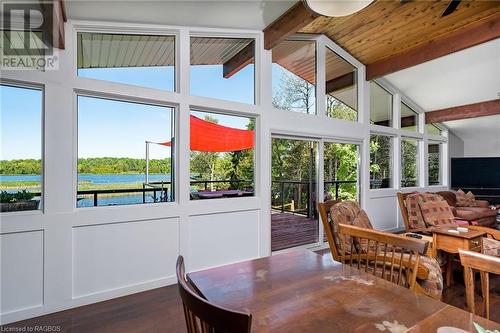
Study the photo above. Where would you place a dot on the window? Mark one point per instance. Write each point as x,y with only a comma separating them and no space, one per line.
380,106
141,60
409,118
21,148
341,88
222,161
223,68
433,129
380,161
294,76
409,162
434,162
125,153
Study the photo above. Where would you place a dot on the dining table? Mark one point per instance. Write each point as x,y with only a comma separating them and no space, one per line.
302,291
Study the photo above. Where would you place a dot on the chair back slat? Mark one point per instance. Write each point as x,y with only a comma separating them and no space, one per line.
485,264
204,317
392,257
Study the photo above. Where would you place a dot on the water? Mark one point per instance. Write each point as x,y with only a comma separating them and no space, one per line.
95,178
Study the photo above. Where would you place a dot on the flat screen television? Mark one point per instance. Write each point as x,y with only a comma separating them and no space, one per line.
475,172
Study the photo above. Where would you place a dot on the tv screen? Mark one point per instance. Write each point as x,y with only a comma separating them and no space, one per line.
475,172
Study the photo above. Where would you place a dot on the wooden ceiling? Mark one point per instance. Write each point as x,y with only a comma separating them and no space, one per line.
386,28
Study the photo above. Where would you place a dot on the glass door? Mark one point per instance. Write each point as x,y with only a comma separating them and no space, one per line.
294,219
341,171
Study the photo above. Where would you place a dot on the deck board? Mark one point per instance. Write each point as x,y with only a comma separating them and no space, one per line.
289,230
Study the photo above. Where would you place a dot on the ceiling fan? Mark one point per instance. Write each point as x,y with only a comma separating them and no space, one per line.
448,10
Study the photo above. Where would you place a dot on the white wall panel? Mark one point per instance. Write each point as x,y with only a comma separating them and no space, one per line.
112,256
21,270
383,212
218,239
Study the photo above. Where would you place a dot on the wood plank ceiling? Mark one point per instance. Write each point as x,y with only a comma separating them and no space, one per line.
386,28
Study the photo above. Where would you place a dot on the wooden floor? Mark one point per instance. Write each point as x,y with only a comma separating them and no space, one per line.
289,230
160,310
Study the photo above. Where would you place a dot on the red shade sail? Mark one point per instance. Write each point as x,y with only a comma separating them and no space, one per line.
212,137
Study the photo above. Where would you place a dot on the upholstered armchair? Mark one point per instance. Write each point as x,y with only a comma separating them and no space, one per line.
333,213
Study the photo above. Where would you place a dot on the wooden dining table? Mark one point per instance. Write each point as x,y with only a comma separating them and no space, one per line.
302,291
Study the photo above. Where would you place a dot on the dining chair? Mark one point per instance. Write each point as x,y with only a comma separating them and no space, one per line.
392,257
204,317
324,213
485,264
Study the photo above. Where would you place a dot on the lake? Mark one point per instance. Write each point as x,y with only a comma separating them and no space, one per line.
95,178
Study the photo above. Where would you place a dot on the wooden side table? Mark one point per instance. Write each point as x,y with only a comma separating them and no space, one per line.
451,242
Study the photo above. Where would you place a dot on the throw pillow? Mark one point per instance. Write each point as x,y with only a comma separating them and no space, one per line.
465,200
437,213
471,199
491,247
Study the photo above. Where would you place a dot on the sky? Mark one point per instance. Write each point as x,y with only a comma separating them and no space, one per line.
108,128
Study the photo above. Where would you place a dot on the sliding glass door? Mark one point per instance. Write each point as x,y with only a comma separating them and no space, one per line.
294,190
294,220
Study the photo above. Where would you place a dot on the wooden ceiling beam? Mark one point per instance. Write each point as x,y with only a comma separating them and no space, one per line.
54,15
482,109
239,61
468,36
339,83
294,19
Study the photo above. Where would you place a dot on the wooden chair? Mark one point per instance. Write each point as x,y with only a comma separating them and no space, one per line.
385,255
204,317
484,264
324,212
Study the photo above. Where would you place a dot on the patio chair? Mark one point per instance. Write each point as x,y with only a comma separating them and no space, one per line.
485,264
429,277
204,317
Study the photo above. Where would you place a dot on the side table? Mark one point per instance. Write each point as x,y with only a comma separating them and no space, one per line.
451,242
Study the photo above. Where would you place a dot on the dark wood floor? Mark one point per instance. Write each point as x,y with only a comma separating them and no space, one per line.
160,310
289,230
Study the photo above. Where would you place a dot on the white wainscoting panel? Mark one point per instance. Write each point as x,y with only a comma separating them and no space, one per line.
117,255
382,212
218,239
21,270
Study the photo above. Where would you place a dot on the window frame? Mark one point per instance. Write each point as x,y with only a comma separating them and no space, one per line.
356,82
127,99
416,115
418,182
40,87
257,64
119,30
441,170
254,155
393,154
392,112
302,38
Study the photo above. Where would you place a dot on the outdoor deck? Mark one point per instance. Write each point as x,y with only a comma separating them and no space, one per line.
288,230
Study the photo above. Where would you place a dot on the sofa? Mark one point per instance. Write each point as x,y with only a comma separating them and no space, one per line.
481,213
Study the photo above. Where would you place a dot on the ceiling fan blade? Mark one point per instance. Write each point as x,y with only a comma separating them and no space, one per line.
451,7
